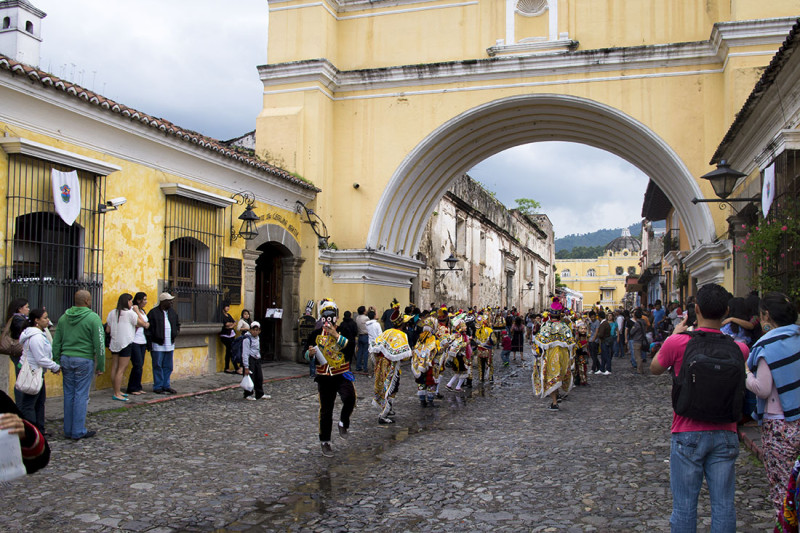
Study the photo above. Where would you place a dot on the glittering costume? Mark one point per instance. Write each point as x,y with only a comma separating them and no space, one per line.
459,354
423,363
484,360
580,370
389,348
554,346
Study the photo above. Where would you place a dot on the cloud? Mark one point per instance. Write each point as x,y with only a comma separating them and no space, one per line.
192,62
581,188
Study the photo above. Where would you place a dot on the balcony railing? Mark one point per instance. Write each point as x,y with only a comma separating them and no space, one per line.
671,241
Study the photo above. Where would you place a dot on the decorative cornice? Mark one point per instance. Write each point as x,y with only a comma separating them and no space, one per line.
370,267
19,145
784,140
715,51
185,191
708,262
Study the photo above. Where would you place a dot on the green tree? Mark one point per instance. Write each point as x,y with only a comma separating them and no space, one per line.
527,206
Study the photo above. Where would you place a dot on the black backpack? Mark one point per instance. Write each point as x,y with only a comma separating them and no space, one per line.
236,350
710,386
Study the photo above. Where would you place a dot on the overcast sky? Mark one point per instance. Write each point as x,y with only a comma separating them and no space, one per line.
193,62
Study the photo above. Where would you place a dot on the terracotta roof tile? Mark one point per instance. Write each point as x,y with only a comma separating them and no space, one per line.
165,126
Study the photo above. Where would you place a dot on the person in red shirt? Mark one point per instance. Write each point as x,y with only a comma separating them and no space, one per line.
699,448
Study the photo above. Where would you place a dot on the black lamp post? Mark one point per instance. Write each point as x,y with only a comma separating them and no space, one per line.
529,285
317,225
723,180
249,228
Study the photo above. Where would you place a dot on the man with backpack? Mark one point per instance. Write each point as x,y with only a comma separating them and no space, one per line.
707,394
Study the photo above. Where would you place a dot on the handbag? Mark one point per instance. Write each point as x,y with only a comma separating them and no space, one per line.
29,380
8,345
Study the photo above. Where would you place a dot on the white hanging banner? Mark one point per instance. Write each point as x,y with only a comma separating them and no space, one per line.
768,189
66,195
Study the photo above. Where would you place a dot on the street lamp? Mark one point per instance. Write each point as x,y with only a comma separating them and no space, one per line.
317,225
529,285
655,269
723,180
451,263
249,228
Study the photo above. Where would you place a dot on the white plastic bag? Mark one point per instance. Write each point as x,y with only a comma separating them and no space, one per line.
247,383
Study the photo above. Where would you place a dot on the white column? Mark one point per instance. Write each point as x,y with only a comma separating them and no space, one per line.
552,6
510,8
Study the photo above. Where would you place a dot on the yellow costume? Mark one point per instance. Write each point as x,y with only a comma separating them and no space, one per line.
389,348
552,367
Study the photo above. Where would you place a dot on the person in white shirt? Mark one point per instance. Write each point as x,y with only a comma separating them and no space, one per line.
138,347
121,324
373,331
38,350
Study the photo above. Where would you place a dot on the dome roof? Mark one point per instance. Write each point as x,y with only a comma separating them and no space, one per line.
624,242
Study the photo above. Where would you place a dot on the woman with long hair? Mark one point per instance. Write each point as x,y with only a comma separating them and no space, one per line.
772,374
226,335
121,322
38,351
517,339
139,345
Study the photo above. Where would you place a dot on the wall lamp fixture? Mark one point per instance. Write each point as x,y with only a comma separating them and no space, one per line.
529,285
317,225
249,229
723,180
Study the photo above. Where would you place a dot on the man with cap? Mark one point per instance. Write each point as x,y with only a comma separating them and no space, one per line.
333,375
164,328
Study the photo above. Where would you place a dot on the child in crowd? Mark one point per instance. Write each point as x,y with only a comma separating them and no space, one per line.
505,351
251,362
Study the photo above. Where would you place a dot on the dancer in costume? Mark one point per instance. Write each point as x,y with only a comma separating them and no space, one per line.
554,347
581,367
423,362
389,349
333,375
484,357
499,326
459,354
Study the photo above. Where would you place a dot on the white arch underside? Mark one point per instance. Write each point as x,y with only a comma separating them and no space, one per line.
424,176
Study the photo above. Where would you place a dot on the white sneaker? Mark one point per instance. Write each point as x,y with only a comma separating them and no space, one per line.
606,373
266,397
598,372
251,398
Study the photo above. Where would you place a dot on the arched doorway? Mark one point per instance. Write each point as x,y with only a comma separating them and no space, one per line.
272,281
459,144
269,297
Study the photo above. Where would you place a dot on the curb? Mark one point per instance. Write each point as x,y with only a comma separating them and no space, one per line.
750,444
206,391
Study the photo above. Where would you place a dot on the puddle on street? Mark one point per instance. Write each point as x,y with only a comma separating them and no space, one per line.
307,501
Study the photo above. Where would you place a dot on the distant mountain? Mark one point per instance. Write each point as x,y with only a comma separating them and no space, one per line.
594,239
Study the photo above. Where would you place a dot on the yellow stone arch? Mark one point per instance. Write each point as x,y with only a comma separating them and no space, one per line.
462,142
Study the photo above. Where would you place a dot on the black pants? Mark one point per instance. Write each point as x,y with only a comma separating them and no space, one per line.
593,348
137,366
328,387
257,376
228,342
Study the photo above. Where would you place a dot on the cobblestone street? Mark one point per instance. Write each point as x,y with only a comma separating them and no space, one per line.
493,459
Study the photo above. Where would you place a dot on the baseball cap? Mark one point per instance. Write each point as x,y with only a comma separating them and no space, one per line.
165,296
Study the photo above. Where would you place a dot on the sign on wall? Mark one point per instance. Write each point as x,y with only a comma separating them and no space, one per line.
230,283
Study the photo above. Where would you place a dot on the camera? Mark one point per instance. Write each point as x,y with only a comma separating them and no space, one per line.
116,202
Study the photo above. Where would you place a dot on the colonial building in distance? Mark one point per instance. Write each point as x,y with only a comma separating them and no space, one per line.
505,258
603,279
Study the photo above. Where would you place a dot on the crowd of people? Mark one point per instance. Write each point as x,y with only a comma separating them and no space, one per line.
759,337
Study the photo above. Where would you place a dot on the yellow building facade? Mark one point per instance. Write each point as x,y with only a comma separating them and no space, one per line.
603,280
392,100
158,211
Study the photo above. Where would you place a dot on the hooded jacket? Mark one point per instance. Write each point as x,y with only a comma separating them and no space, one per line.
37,349
80,333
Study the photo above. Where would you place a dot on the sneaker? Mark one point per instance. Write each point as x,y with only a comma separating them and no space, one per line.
598,372
327,449
505,363
552,407
384,420
251,398
606,373
342,431
265,397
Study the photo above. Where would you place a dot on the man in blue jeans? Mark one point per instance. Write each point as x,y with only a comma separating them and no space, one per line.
164,328
79,347
362,356
700,448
